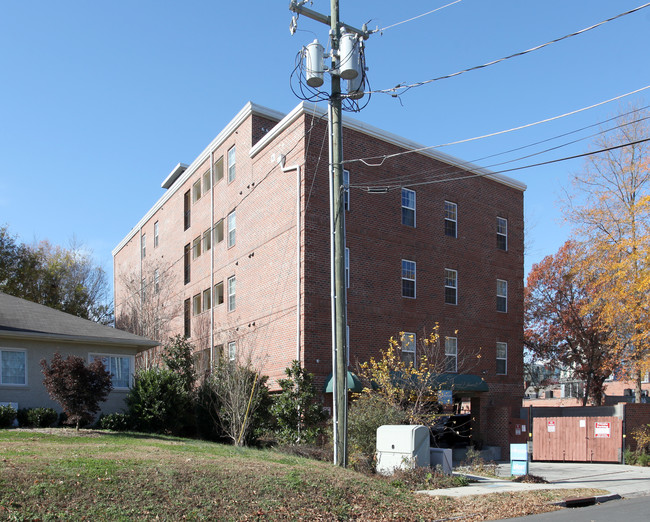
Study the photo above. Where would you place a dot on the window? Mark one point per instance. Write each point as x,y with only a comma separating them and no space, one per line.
143,245
196,247
218,293
231,164
187,210
451,286
120,366
13,367
196,191
502,233
207,240
231,228
502,358
217,174
408,342
451,354
156,281
451,216
206,182
196,304
232,350
502,295
408,278
143,289
231,293
187,318
347,267
207,299
156,240
346,189
218,231
187,263
408,207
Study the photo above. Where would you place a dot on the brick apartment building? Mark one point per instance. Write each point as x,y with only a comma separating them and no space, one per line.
241,240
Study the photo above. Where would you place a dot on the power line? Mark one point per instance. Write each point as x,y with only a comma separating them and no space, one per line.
384,157
381,31
403,88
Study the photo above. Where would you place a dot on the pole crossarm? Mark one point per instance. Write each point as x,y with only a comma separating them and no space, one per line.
298,8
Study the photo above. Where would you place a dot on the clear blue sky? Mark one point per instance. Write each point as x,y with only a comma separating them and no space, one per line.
99,100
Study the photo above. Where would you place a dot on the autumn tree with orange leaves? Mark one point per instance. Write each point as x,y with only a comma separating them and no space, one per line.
610,206
561,326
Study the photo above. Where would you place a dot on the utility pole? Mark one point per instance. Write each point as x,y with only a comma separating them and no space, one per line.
337,220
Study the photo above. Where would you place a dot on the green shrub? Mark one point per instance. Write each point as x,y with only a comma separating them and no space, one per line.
37,417
115,422
366,414
7,416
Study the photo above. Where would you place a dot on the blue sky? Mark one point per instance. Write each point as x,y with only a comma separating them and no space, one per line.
100,100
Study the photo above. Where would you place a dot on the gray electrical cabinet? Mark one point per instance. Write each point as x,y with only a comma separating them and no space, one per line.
401,447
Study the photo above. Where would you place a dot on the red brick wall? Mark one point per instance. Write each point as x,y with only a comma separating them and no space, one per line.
636,415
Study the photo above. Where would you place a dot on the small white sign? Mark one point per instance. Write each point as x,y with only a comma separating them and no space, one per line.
603,430
583,423
550,426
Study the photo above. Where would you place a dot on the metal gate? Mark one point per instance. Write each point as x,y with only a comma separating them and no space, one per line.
578,439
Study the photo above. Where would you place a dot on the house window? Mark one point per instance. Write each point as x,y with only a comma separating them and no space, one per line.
502,233
196,247
187,210
196,304
451,216
451,286
218,231
231,293
143,289
408,343
207,240
408,278
156,281
231,228
187,263
218,293
232,350
13,367
120,367
156,240
502,358
408,207
206,182
187,318
502,295
347,267
207,301
451,354
143,245
196,191
346,189
231,164
217,168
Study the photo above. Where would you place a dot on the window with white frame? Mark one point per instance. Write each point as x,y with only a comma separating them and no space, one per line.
196,191
408,278
207,240
156,281
502,358
120,367
218,231
207,299
156,237
232,350
143,289
346,189
196,247
451,286
408,207
451,354
206,182
217,171
232,226
231,293
408,341
502,233
143,245
196,304
232,157
347,267
502,295
13,367
218,293
451,219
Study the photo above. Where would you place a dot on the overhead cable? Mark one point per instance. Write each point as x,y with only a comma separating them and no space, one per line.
416,17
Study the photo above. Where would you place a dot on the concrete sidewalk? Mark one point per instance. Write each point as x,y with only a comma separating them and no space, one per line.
616,479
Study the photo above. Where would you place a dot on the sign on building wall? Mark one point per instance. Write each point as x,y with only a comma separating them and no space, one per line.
550,426
603,430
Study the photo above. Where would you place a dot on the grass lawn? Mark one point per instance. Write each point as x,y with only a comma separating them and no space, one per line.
93,475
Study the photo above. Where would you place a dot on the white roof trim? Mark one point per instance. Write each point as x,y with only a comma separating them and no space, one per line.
249,109
173,175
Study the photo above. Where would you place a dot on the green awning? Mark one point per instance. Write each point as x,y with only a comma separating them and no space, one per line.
354,384
458,383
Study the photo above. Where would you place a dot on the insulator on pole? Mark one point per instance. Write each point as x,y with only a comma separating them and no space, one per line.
348,56
314,68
